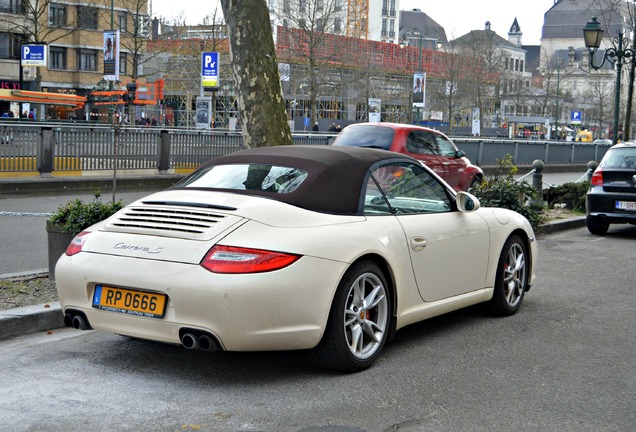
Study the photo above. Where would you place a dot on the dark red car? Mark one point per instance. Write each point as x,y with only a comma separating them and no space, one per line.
432,147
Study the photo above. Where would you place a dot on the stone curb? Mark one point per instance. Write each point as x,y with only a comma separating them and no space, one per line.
49,316
30,319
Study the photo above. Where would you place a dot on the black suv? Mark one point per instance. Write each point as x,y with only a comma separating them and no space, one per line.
612,194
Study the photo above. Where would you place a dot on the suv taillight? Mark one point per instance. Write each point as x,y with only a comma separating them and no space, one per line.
597,178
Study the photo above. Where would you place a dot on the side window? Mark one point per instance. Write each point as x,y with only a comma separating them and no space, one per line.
446,148
421,143
374,201
405,188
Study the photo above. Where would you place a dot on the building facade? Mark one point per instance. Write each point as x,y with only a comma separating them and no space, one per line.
77,47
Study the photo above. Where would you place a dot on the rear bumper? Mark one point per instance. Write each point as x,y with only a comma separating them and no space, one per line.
602,204
282,310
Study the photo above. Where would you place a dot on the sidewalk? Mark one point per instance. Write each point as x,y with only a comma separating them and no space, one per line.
46,317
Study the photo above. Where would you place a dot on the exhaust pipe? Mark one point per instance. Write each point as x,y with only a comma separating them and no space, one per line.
206,343
189,341
76,320
79,323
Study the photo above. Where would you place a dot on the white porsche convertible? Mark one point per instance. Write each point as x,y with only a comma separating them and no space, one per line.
324,249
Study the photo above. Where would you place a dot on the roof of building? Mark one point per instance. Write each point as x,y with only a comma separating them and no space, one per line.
416,20
566,18
487,34
515,28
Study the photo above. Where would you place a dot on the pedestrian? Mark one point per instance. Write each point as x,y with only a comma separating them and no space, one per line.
338,128
332,128
315,127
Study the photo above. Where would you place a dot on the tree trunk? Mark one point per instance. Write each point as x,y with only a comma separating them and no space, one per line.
627,129
253,57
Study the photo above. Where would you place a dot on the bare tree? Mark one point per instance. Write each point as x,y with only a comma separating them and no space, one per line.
482,79
253,59
134,27
600,95
311,25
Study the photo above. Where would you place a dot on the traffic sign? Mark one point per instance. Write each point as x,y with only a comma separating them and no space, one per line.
575,117
33,55
210,70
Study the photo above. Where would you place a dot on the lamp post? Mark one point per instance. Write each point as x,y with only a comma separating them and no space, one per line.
419,46
556,114
593,34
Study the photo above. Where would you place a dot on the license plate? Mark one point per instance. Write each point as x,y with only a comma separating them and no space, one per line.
625,205
130,302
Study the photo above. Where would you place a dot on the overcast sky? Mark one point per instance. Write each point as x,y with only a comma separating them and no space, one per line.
458,17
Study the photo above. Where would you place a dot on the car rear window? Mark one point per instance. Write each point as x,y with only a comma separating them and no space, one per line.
620,158
255,177
366,136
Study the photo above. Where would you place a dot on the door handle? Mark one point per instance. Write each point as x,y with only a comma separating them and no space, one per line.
418,243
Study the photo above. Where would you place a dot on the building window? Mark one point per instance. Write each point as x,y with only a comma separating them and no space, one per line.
337,25
57,58
122,21
57,15
123,63
10,45
143,25
12,6
87,17
271,5
86,60
302,4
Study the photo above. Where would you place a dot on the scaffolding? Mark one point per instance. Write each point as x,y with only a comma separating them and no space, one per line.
370,69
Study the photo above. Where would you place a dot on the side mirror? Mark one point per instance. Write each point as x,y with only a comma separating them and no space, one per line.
460,153
466,202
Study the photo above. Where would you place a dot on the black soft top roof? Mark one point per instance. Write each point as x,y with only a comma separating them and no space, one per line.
335,175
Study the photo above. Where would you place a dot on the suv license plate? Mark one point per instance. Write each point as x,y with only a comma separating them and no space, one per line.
625,205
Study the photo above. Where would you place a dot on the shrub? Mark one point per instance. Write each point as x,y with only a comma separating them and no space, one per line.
503,191
77,215
571,194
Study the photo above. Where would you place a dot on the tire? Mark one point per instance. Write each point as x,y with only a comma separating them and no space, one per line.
511,282
359,321
476,181
597,225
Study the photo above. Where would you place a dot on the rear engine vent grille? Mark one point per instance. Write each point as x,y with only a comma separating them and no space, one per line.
167,220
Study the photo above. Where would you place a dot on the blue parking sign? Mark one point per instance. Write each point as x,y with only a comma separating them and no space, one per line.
575,118
210,70
33,55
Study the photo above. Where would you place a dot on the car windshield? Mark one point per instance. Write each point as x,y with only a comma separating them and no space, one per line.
620,158
366,136
256,177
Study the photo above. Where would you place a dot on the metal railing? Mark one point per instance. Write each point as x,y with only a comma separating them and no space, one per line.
49,149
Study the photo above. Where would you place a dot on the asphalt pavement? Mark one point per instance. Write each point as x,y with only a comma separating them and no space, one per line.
44,317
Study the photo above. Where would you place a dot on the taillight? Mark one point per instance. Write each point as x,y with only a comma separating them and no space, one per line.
597,178
76,244
230,259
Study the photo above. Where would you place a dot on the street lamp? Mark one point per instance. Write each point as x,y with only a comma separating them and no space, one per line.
410,34
593,33
556,114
